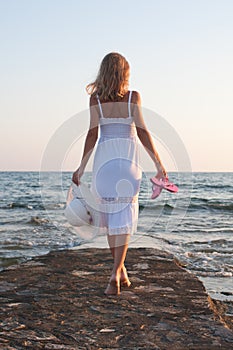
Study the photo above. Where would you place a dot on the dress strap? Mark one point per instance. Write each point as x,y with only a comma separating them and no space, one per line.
129,102
101,111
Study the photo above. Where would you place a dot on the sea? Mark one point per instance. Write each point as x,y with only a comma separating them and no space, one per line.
195,224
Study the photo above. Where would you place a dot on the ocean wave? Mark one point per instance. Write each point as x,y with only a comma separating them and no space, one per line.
214,251
220,241
207,205
20,244
195,204
19,205
213,186
54,206
221,206
38,205
155,206
36,220
198,200
214,274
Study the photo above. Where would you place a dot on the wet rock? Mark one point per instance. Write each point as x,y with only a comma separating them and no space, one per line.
57,302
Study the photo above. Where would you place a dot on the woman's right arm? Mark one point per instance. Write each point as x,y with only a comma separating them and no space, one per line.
145,136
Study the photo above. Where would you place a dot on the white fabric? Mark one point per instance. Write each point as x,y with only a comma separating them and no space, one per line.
117,173
81,207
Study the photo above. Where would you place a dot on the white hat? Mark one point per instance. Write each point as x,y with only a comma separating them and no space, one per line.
81,208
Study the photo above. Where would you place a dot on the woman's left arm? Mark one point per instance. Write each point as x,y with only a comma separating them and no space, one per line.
91,138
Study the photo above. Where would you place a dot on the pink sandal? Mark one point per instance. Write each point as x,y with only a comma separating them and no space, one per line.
159,185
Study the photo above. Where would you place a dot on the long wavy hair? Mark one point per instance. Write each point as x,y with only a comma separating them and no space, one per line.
113,78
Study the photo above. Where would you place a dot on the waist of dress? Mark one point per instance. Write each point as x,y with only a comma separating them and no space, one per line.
117,131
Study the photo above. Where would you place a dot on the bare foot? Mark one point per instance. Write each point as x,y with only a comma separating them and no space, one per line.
125,282
113,287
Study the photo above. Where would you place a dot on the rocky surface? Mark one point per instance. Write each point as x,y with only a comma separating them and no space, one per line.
57,302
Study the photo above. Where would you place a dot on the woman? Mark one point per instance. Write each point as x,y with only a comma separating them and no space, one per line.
116,171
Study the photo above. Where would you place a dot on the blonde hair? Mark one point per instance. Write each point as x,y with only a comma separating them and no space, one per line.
112,79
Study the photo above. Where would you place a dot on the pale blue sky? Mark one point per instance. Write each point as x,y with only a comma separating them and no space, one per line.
180,52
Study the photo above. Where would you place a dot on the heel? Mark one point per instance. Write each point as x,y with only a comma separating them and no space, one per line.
126,283
113,288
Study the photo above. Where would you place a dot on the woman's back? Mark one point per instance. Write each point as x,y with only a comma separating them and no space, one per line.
116,169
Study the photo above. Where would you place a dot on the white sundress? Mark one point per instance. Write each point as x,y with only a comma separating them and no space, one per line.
117,174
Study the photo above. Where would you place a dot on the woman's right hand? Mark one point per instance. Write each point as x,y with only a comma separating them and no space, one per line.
77,176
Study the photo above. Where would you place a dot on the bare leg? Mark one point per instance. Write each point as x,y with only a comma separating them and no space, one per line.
119,246
124,279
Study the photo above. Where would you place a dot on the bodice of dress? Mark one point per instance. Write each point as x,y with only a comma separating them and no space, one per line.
117,128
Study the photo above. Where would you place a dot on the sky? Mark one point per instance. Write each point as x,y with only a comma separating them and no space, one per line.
181,58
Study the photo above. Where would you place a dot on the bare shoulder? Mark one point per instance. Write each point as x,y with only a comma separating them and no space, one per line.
136,97
93,100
